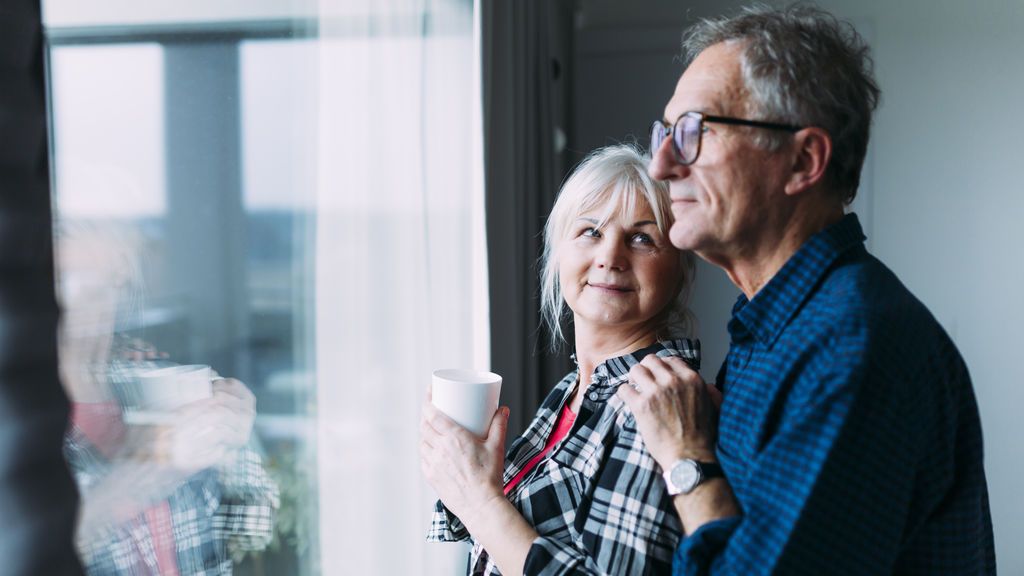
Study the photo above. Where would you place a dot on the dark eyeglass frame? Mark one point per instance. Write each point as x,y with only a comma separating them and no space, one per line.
660,131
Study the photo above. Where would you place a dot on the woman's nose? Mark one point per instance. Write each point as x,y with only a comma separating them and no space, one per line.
612,254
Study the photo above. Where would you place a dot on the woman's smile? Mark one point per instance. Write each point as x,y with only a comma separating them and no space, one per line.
610,288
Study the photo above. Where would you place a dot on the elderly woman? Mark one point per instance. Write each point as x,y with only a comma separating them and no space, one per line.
578,492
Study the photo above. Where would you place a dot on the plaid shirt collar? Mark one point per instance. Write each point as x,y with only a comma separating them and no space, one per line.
613,372
767,314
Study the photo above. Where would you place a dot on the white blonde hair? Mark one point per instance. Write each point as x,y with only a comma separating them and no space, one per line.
616,178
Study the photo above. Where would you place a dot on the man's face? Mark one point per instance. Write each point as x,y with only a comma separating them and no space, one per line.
724,201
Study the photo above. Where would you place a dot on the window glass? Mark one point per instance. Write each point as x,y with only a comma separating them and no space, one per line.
266,238
109,160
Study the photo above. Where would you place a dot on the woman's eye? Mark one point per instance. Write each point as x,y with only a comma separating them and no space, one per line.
643,239
591,233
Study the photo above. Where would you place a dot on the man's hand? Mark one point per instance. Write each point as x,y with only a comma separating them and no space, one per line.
677,416
676,411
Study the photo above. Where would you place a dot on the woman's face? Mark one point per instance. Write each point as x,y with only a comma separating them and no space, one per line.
621,275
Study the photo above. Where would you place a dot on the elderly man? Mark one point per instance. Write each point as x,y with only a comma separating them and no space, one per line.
849,435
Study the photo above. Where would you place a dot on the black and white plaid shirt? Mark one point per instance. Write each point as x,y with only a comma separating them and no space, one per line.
597,500
218,510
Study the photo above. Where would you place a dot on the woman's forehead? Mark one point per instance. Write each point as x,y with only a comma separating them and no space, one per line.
616,207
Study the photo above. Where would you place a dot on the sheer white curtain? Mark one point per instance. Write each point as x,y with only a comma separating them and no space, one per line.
400,266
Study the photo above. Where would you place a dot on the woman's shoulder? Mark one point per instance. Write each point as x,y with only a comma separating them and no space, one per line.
562,388
686,348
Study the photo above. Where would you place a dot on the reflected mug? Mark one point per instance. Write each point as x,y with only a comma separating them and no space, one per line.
169,388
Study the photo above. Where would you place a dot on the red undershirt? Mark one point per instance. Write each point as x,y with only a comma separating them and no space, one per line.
562,428
101,424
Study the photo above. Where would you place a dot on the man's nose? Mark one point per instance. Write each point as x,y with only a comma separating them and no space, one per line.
664,164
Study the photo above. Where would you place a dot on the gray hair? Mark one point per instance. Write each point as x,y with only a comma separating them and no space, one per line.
802,66
614,177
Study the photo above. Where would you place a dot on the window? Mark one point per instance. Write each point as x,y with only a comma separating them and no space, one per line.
292,199
118,99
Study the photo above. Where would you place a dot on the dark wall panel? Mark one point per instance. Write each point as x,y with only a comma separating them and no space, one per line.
38,500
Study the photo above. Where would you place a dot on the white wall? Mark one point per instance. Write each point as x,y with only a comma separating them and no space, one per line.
946,199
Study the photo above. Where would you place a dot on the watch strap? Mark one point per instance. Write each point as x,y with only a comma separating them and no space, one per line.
710,470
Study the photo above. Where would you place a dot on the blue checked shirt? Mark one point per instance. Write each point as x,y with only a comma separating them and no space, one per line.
597,499
849,431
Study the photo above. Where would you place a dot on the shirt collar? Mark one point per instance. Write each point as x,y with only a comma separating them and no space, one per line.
767,314
609,374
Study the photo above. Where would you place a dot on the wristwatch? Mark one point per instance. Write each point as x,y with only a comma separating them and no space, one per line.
687,474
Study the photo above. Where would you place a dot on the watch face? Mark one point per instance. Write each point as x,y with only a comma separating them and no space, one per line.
685,475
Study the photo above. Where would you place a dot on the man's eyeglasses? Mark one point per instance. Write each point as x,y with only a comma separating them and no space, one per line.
686,133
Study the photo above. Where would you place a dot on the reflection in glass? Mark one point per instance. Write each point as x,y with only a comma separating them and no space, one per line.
297,206
171,480
178,473
109,154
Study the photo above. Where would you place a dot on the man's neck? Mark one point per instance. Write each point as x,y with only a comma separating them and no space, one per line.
756,262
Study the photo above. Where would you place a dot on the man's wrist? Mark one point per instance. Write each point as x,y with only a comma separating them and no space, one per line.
703,455
687,473
710,500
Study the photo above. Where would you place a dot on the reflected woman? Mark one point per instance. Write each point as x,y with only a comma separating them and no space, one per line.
578,492
179,496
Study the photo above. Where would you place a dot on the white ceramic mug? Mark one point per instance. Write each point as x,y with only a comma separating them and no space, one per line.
165,389
469,397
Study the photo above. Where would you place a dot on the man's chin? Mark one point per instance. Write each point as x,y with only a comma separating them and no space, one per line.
682,236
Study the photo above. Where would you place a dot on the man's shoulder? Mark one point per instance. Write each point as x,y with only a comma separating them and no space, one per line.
864,331
862,291
861,304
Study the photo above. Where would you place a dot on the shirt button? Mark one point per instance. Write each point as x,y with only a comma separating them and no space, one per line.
592,396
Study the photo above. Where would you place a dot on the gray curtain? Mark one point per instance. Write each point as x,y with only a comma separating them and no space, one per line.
38,499
526,49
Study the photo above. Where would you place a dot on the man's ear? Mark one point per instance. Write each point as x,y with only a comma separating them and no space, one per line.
813,151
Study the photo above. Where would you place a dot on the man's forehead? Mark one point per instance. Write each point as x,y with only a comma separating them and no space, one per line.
712,83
